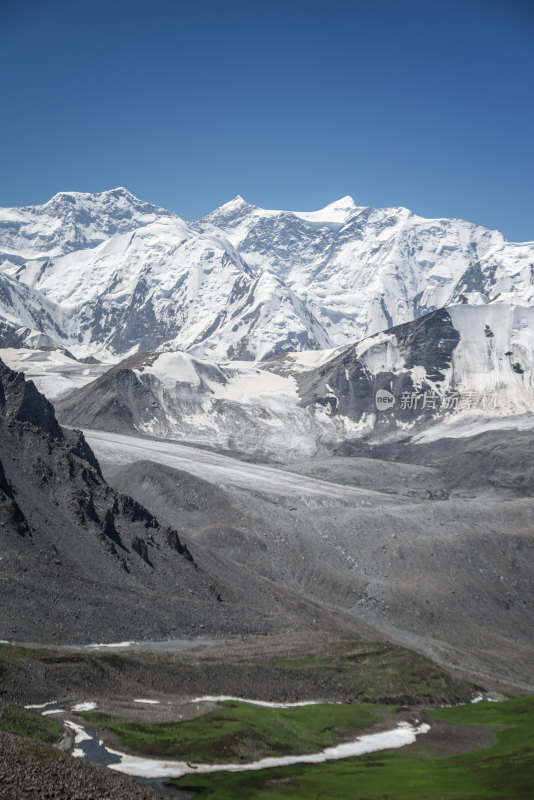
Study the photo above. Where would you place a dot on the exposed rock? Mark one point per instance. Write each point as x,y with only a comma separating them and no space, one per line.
33,771
74,550
93,585
139,545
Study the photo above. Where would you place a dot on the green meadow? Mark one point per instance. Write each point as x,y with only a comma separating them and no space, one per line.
29,723
503,771
242,731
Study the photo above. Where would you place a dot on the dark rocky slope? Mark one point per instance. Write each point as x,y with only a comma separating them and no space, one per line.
445,570
81,561
30,770
346,385
115,401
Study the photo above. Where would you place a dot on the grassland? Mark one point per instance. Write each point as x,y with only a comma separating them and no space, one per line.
381,673
242,731
503,771
498,765
29,724
314,667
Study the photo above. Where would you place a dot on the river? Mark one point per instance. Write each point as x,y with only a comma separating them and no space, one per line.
86,744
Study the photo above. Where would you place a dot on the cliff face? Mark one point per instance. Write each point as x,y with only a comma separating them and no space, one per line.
84,563
80,560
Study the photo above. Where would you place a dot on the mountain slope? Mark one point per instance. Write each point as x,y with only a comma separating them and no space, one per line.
164,285
71,221
238,407
430,545
363,269
449,365
27,317
80,561
108,275
457,361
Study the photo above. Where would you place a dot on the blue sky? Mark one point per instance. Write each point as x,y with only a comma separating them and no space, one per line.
290,104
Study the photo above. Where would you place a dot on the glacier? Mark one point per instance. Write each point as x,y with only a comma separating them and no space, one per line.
106,275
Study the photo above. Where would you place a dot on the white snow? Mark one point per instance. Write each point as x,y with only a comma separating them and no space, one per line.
243,281
337,212
200,292
72,218
404,734
235,405
302,360
376,267
239,381
118,449
88,706
219,698
255,407
80,735
494,337
110,644
54,373
148,702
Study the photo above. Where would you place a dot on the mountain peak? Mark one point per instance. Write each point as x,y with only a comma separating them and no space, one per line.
73,220
344,202
337,212
120,191
73,197
237,202
232,210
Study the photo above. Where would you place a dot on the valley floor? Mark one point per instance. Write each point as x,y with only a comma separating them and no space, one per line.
429,545
133,704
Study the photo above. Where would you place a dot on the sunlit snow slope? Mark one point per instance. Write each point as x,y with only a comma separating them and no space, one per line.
363,269
108,275
452,364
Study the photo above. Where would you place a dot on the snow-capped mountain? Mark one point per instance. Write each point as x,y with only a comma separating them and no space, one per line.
108,275
28,318
450,363
159,284
72,221
238,406
447,366
363,270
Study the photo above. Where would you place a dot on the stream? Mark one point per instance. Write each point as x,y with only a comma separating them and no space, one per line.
84,743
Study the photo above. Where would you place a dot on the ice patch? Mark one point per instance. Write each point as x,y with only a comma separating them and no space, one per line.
148,702
80,735
111,644
404,734
220,698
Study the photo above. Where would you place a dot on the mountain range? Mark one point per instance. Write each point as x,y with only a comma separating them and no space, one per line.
446,366
106,275
291,419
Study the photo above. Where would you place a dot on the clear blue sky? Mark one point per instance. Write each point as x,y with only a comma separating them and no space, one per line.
290,104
